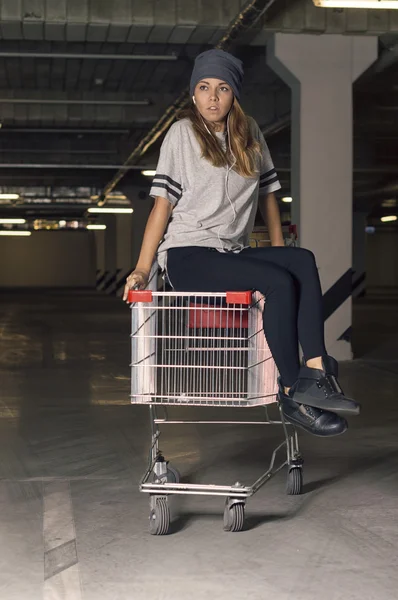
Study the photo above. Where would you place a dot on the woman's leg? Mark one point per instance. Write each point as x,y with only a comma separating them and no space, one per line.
317,383
300,263
204,270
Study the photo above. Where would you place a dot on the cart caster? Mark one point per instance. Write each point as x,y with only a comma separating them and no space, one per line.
234,516
173,476
159,518
294,483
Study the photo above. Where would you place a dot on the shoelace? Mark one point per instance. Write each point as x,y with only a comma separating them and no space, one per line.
309,412
329,385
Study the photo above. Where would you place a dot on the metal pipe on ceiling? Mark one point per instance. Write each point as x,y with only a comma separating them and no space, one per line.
79,179
245,19
364,135
144,102
384,190
72,166
83,56
54,151
5,130
277,126
387,108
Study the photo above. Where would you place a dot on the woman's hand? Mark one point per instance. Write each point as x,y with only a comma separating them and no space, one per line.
138,279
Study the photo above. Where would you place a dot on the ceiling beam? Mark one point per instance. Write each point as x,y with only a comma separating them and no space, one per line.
277,126
55,151
81,102
73,166
6,130
85,56
155,22
379,192
387,108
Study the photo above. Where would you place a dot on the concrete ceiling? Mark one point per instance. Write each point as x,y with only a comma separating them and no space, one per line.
172,21
82,81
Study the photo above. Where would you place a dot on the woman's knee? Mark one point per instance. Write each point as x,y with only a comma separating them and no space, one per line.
302,256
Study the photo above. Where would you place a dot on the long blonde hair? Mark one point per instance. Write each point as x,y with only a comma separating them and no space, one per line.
245,148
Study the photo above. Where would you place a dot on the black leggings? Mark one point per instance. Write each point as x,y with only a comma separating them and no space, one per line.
288,278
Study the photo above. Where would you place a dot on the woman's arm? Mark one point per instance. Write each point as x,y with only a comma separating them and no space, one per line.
269,210
269,183
154,231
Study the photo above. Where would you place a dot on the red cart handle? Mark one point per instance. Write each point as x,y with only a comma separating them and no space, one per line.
140,296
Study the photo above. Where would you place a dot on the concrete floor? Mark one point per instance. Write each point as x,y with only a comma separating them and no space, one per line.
74,526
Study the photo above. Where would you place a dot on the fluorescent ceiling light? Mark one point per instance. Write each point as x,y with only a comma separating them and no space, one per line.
392,4
13,221
389,218
96,226
389,203
287,199
114,196
9,196
125,211
148,173
17,233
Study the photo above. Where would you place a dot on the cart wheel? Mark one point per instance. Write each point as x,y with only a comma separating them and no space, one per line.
294,483
173,476
159,518
234,516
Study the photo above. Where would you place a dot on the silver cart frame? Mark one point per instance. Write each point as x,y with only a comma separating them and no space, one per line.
196,349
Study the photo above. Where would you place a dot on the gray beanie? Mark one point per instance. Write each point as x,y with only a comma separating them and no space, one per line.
219,65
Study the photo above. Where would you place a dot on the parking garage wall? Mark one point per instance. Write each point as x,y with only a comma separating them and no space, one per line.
61,259
381,260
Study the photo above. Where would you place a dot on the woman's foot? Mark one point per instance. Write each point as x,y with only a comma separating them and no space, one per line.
319,388
313,420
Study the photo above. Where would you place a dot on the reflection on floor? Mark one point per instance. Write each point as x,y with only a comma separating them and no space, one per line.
72,449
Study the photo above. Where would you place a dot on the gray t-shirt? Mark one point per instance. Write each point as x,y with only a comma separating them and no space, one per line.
214,207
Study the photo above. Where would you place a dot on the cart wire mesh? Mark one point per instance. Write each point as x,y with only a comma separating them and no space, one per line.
200,349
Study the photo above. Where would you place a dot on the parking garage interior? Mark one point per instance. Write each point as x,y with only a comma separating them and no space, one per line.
88,90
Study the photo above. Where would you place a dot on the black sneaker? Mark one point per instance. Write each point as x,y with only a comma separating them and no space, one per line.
320,389
313,420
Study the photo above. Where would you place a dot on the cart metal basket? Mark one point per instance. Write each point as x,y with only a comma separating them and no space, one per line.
204,350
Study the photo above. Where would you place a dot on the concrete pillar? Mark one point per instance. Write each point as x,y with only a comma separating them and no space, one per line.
116,249
106,254
118,246
99,237
359,254
320,70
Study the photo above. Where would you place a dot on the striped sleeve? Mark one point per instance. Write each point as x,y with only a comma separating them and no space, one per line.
269,181
167,182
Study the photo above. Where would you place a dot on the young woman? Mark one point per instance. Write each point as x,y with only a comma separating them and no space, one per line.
214,170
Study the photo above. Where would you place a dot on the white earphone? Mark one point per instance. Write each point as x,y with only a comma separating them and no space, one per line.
229,169
227,173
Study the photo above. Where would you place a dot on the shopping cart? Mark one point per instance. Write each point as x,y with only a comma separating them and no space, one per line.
204,350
